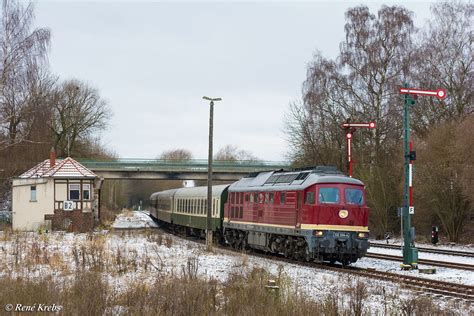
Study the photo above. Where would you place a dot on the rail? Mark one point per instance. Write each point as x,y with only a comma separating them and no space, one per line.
426,249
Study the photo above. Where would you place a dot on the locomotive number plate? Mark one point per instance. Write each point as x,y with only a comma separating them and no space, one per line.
341,235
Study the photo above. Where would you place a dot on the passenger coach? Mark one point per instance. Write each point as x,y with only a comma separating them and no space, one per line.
187,207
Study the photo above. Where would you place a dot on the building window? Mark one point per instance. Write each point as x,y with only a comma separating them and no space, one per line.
86,191
33,193
74,192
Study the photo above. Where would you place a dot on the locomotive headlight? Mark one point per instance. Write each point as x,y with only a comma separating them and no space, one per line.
318,233
363,235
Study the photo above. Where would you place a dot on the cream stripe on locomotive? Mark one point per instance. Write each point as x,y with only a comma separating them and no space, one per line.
307,226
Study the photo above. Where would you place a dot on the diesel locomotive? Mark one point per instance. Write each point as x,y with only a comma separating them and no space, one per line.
314,214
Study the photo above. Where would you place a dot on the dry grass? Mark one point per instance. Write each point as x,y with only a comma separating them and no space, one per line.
93,276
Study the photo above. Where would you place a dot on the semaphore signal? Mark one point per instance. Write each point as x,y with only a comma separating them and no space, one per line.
350,129
410,252
440,93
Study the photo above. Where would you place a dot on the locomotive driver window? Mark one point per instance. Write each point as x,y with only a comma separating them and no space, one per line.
354,196
328,195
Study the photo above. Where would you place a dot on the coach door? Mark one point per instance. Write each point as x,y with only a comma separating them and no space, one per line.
299,202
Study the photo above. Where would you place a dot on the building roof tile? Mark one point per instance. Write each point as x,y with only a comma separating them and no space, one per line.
64,168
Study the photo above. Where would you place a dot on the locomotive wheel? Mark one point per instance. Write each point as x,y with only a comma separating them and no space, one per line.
274,247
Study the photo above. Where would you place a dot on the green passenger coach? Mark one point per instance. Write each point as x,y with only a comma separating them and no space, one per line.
187,207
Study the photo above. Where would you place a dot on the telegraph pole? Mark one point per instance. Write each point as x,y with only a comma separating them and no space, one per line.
410,252
209,174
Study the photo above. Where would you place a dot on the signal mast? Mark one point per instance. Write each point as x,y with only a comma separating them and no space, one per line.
410,252
350,129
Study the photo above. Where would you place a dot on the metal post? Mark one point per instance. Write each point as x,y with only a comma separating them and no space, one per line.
209,181
349,153
410,253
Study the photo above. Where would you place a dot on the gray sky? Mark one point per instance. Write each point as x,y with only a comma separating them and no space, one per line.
153,62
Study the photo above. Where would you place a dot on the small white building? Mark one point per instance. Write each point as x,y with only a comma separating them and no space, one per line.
56,194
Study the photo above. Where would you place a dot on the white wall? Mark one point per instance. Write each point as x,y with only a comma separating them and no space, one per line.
29,215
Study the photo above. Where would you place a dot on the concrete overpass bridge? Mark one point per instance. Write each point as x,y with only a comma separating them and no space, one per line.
193,169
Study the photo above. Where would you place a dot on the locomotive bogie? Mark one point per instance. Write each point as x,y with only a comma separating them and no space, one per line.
301,244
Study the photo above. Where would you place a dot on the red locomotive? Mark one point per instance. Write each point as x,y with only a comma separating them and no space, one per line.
317,214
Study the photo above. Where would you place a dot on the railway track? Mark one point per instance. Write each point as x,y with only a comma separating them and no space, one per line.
435,263
448,289
426,249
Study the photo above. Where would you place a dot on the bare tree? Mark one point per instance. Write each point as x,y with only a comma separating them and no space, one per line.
233,153
176,154
22,54
78,113
445,59
361,85
445,173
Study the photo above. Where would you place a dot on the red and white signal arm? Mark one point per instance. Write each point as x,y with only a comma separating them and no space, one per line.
440,93
367,125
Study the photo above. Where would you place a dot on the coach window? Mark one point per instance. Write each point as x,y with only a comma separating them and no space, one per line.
282,198
267,198
242,198
247,197
256,195
272,197
309,199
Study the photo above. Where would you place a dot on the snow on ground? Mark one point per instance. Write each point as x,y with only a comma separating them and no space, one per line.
170,254
444,274
133,220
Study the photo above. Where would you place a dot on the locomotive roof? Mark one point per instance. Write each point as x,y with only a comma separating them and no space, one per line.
194,192
291,180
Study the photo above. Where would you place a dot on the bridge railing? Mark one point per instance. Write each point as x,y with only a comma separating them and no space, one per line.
200,165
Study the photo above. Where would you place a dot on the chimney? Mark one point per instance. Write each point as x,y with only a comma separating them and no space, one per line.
52,157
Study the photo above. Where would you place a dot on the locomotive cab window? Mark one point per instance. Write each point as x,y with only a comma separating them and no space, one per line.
328,195
354,196
309,198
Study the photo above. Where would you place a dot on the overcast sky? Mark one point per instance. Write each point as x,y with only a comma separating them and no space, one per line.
154,61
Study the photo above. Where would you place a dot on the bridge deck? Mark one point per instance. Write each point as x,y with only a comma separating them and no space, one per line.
172,169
